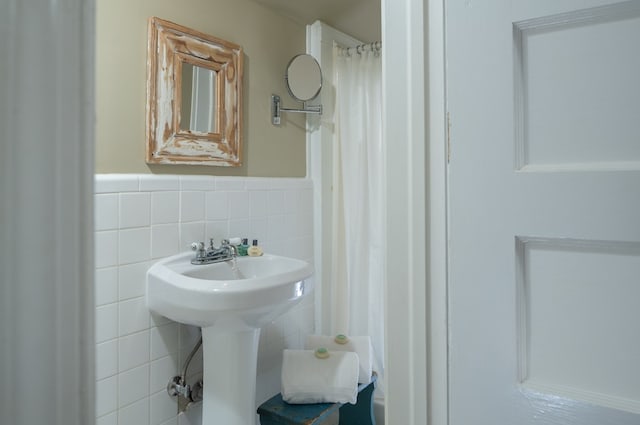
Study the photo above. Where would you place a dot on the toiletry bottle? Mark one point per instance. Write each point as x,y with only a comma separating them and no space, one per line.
242,248
254,250
235,242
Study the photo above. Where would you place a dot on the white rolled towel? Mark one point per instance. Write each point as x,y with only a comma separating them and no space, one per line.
360,345
307,378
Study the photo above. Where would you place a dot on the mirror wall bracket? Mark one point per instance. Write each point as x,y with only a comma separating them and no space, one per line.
277,109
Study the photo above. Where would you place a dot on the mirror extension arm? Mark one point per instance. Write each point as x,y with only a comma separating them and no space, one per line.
277,109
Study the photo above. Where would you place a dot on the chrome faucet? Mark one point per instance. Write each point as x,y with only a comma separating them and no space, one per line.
224,252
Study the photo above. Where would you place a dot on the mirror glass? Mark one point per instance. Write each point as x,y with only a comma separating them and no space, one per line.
304,78
198,111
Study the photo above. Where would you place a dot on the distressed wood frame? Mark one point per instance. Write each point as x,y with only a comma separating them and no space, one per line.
169,46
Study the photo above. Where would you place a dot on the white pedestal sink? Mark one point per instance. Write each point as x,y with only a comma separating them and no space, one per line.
230,300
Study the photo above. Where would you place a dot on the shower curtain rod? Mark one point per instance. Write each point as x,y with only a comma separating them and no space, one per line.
375,46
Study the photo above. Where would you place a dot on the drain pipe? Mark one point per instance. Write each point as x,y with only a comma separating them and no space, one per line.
178,387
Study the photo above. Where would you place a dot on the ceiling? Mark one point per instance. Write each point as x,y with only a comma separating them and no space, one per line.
358,18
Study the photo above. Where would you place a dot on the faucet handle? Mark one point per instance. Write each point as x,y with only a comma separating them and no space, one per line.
198,247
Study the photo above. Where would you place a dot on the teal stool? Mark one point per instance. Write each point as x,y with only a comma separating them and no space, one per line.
276,411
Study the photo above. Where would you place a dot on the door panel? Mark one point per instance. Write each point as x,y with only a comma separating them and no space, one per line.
577,327
544,207
576,90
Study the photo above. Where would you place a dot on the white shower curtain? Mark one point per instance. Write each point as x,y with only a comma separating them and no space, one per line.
358,230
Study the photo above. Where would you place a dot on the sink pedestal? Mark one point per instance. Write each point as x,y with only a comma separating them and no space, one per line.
230,354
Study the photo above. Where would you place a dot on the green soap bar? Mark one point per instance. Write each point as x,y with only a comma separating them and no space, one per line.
322,353
341,339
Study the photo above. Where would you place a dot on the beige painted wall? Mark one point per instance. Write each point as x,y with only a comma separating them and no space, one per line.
268,40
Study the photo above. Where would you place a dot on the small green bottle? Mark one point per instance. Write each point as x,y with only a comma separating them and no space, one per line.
242,248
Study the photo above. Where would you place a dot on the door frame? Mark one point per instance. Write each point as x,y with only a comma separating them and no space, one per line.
415,134
438,143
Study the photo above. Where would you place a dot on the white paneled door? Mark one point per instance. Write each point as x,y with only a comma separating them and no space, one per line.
543,98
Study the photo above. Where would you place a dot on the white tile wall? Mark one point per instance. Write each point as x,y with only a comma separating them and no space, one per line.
141,218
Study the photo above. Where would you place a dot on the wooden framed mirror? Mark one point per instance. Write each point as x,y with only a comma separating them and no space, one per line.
194,97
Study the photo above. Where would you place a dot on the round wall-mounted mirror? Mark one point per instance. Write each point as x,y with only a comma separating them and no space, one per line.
304,78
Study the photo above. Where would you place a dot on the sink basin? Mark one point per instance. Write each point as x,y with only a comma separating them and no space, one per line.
230,300
252,289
